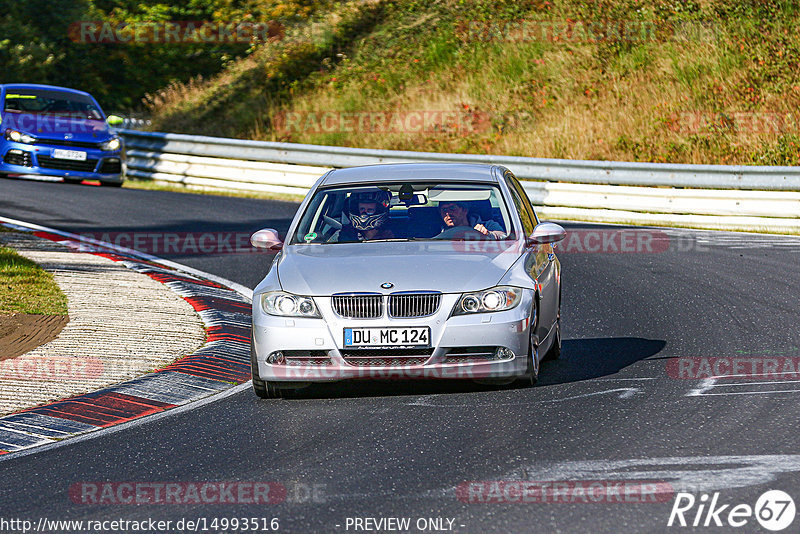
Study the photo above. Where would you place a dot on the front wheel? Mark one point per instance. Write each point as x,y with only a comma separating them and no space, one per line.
73,181
111,184
555,350
532,375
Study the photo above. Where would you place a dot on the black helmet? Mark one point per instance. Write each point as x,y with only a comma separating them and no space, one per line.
369,221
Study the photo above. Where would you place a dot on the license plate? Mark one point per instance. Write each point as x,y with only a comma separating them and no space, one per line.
387,337
76,155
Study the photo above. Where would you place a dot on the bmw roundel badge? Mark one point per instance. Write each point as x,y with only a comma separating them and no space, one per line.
387,285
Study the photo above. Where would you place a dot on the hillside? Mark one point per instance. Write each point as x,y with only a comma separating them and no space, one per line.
697,81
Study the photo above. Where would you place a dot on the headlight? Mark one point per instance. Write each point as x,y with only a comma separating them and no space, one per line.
288,305
111,145
19,137
491,300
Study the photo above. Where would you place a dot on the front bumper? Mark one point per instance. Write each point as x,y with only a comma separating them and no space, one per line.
455,344
22,158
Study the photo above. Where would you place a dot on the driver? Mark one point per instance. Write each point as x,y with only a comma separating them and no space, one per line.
457,214
368,213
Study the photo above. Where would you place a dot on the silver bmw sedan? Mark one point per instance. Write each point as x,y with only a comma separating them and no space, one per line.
408,271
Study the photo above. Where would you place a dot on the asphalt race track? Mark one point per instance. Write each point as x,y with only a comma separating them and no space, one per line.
613,408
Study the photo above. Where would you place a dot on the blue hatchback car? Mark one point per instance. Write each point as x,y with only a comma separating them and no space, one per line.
55,131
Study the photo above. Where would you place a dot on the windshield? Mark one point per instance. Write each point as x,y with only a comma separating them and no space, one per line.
405,212
51,102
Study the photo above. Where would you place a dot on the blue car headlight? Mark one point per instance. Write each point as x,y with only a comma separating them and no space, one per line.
496,299
19,137
285,304
111,145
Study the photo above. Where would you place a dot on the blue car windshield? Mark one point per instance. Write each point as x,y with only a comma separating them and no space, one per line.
51,102
410,211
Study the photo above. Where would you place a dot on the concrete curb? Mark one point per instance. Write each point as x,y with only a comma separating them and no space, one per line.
221,363
122,324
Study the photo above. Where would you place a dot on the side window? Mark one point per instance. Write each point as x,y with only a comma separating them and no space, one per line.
522,204
525,200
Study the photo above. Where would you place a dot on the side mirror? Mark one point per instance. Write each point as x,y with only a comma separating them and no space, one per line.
114,120
547,232
266,238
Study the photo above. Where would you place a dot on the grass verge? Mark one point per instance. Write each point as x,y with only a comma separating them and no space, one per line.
27,288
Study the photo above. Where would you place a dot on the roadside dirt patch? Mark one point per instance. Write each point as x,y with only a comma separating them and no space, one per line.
21,332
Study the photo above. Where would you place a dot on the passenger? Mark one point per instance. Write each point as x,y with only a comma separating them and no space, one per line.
457,214
368,213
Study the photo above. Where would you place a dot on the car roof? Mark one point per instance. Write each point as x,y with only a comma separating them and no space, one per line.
18,86
390,172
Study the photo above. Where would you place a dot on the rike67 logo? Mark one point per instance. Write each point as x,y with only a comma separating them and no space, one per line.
774,510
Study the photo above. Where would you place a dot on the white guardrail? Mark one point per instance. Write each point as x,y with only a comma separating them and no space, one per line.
700,196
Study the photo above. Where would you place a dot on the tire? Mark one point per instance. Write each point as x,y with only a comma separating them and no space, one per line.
73,181
111,184
532,374
554,352
262,388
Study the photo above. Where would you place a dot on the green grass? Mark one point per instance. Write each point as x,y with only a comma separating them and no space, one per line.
27,288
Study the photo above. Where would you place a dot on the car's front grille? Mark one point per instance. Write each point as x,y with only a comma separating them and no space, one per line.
68,142
405,305
387,357
47,162
401,305
18,157
306,357
111,166
366,306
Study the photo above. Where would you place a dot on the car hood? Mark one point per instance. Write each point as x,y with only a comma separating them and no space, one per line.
51,127
449,267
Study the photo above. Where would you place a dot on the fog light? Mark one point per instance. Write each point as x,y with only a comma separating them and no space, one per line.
276,358
16,152
503,353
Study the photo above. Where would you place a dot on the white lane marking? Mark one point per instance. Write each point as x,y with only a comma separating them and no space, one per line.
684,473
708,384
705,385
622,379
425,400
768,392
761,383
91,434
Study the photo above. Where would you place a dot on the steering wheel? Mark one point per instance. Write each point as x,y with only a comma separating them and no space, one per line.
461,233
